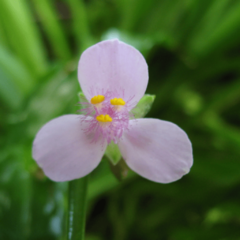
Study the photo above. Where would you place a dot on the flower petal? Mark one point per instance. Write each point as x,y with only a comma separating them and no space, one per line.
64,151
157,150
115,66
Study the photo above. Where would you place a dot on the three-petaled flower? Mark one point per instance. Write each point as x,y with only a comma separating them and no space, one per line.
113,76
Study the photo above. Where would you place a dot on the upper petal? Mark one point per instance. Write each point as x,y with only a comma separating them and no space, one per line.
64,151
157,150
115,66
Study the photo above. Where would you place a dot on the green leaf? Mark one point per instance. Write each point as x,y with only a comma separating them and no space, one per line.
226,30
80,24
15,194
143,106
16,71
113,153
222,129
9,94
23,34
53,28
77,206
3,39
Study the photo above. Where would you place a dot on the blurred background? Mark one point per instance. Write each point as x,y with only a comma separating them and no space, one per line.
193,51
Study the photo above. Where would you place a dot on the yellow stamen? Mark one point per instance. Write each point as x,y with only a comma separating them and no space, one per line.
97,99
117,101
104,118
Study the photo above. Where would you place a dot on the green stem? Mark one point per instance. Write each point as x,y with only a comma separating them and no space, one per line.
77,202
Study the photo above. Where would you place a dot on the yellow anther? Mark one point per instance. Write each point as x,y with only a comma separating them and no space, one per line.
117,101
97,99
104,118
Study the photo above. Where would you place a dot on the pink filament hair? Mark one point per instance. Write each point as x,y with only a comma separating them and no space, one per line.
108,131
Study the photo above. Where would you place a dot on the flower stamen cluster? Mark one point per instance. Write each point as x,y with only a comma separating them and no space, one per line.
104,118
117,101
97,99
107,116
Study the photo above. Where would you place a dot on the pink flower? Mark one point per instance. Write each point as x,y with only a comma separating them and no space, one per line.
113,76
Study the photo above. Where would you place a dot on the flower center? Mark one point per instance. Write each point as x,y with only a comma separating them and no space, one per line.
104,118
117,101
108,116
97,99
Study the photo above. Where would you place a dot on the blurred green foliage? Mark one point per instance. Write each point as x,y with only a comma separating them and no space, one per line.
193,52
